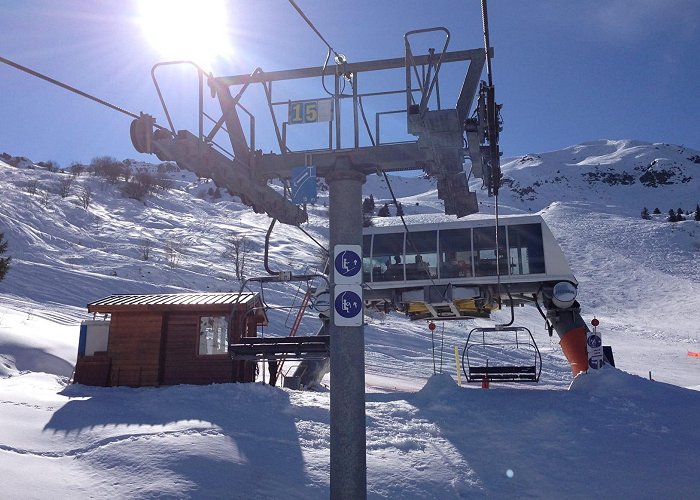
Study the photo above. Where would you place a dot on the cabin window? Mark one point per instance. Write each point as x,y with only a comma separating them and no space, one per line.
456,253
525,249
485,251
421,255
213,335
367,264
387,257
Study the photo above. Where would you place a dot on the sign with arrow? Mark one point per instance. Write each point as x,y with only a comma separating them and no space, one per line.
304,185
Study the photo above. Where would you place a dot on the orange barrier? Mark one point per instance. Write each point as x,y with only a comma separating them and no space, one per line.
694,354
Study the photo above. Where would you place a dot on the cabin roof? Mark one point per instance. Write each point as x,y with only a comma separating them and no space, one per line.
171,301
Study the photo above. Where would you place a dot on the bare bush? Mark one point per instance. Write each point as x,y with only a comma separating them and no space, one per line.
32,186
110,168
140,185
50,165
146,246
76,169
237,248
64,186
85,197
173,252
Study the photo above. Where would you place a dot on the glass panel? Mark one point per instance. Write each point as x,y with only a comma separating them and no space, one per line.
213,335
526,252
366,258
421,255
387,257
485,251
456,253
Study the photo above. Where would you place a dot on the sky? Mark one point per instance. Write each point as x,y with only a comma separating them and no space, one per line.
566,72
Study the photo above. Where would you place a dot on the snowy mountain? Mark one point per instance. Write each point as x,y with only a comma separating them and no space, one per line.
76,238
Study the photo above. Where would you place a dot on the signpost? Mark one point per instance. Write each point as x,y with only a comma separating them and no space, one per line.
594,344
347,405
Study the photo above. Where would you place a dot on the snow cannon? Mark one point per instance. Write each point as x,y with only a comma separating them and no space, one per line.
564,315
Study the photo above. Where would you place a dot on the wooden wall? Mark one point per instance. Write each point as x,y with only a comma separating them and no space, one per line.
182,364
134,348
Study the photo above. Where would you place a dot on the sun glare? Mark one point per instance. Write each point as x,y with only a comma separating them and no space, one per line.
187,29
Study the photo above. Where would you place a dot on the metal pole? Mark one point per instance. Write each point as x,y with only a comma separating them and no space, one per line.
347,406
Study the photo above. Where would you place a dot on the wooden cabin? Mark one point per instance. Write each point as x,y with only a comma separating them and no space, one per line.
166,339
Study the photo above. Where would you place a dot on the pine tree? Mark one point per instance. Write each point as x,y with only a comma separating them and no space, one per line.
657,211
697,212
384,211
672,216
368,205
4,261
679,215
399,210
645,214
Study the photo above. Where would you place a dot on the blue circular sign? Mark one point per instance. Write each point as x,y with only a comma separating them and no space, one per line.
348,304
348,263
594,341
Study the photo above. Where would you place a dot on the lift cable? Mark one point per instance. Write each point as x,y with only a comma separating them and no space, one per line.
71,89
318,33
339,58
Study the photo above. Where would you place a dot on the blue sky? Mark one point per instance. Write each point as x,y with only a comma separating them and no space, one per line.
567,71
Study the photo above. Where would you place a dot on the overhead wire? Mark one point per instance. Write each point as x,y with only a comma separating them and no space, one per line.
318,33
70,88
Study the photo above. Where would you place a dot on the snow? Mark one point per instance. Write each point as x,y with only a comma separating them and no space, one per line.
613,433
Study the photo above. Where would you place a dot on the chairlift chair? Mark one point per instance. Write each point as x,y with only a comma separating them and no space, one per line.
507,354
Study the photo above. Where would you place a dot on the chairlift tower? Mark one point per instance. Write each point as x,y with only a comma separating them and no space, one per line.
444,138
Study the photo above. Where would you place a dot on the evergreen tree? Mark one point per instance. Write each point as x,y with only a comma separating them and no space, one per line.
697,212
679,215
645,214
399,210
657,211
672,216
4,261
368,205
384,211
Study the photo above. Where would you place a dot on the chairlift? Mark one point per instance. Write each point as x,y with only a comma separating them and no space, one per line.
507,354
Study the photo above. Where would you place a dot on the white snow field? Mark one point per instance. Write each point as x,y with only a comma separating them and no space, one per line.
609,434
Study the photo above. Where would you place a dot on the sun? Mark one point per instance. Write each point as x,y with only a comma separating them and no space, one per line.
187,29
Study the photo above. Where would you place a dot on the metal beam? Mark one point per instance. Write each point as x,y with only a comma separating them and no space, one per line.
389,157
378,65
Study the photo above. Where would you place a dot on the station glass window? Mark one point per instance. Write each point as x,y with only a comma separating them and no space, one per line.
387,257
421,255
525,249
485,251
456,253
213,335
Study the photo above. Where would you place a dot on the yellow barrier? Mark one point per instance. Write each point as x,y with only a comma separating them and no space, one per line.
459,372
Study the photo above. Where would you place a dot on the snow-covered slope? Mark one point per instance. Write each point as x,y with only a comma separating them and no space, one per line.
610,435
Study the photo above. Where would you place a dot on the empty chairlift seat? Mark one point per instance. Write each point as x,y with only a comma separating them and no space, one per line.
507,354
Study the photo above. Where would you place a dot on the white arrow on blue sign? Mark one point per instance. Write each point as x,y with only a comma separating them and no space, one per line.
304,185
